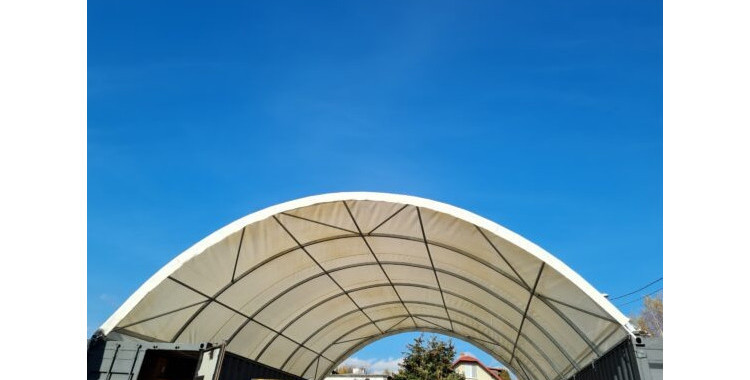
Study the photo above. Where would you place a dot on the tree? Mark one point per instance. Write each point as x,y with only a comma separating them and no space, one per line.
503,374
651,317
430,361
344,369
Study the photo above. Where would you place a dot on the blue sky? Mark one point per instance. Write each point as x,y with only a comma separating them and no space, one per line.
544,117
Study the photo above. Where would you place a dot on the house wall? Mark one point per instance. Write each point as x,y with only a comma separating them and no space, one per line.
357,377
481,373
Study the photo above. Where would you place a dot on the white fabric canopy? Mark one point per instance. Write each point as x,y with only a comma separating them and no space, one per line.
302,285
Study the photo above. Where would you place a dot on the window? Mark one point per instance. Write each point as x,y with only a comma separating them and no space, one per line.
471,371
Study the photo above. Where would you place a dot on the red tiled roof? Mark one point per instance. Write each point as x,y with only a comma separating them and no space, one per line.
471,359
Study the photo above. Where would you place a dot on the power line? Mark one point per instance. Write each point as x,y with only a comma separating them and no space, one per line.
636,291
641,297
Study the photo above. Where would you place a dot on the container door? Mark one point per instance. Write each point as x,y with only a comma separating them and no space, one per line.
209,363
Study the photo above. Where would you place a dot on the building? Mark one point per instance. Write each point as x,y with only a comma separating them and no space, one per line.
473,369
501,372
358,374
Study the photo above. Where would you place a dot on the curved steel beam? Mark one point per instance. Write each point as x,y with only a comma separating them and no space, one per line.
461,277
374,256
421,329
432,264
324,271
399,200
332,238
453,249
238,312
497,296
461,312
252,317
471,339
318,241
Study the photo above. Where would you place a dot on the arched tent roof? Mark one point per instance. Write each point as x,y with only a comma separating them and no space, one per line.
301,285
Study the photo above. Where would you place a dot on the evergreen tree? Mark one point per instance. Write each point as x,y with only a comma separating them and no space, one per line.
428,361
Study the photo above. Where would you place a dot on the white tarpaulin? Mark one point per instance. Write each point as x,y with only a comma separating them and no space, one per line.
302,285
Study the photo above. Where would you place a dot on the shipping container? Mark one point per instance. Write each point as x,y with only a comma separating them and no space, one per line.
635,358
